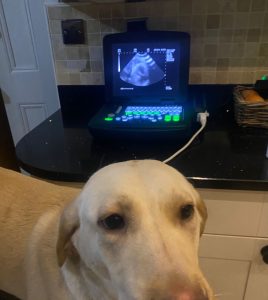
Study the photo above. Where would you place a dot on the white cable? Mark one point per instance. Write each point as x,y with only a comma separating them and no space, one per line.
202,118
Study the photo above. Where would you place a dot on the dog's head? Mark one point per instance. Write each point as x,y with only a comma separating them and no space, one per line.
135,227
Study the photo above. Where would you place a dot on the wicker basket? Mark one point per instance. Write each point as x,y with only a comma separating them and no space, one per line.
249,114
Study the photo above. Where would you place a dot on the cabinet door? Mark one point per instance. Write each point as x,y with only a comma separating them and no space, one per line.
228,278
225,261
229,212
263,228
257,286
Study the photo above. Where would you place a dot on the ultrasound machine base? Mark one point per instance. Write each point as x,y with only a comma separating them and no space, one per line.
126,122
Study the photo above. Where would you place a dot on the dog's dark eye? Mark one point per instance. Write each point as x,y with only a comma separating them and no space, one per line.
186,211
113,222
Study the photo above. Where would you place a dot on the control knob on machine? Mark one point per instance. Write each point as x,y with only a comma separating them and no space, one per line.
264,253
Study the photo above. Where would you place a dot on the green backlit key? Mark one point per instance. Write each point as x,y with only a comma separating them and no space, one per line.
167,118
176,118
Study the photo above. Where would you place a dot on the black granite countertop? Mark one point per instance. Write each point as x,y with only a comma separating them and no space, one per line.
223,156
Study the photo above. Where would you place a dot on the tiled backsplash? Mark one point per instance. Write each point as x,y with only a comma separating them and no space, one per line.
229,38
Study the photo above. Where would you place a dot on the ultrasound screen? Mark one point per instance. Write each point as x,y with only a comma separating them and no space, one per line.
146,70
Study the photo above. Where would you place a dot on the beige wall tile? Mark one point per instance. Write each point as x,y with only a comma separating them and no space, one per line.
237,49
96,66
253,35
195,77
264,35
243,5
106,26
118,11
146,9
241,20
105,12
185,7
227,21
94,39
211,35
63,78
249,63
184,22
211,50
95,53
241,35
235,77
263,49
75,66
226,36
92,11
66,12
93,26
170,8
221,77
213,6
228,6
208,76
258,5
251,50
265,21
119,25
97,78
198,22
262,62
75,78
236,63
131,10
54,13
72,53
199,7
223,64
213,21
256,20
55,26
247,77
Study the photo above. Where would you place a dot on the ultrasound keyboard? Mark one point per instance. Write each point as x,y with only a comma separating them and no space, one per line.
146,122
147,114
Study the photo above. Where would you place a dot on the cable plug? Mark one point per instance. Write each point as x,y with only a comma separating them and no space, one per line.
202,117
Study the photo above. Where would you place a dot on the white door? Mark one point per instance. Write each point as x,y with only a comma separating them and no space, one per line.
27,78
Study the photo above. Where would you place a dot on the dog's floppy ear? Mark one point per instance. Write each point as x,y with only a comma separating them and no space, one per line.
69,223
202,209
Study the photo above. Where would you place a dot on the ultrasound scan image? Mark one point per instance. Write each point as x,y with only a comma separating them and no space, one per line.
142,70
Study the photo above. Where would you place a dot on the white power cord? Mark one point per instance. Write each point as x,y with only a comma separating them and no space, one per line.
202,119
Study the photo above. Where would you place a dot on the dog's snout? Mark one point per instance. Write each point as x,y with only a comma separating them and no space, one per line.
184,296
189,295
195,292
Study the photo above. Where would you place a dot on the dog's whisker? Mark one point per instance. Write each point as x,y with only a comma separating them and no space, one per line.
222,294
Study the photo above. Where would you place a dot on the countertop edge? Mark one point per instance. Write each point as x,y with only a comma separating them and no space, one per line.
198,182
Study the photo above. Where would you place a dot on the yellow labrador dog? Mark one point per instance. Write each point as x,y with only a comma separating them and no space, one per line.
132,233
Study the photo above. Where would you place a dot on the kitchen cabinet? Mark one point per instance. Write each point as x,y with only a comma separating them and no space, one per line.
230,249
257,286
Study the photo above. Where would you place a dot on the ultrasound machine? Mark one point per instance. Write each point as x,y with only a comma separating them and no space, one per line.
146,83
